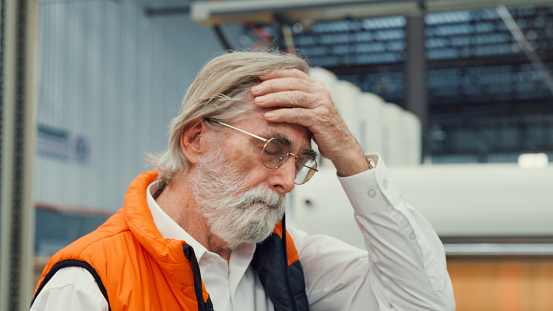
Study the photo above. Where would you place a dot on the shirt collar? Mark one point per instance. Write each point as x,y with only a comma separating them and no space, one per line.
168,228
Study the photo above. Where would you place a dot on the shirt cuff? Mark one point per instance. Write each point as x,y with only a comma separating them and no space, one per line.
371,191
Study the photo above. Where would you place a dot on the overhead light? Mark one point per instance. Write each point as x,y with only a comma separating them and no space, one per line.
533,160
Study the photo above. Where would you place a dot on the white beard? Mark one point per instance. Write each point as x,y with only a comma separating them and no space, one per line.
234,213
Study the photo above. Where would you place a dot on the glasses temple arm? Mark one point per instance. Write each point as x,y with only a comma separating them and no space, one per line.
234,128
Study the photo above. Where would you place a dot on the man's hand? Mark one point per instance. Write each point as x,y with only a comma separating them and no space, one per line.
299,99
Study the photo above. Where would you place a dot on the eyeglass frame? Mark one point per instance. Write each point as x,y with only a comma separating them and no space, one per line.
266,141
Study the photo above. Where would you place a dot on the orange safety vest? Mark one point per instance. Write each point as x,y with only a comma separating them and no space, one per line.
136,268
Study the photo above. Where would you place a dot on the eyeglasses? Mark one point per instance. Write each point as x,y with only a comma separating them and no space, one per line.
275,153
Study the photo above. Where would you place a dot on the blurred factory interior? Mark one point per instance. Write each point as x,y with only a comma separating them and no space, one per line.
456,95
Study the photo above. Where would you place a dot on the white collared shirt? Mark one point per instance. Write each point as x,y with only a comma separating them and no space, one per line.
403,269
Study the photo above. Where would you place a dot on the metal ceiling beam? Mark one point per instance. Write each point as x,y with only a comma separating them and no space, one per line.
214,13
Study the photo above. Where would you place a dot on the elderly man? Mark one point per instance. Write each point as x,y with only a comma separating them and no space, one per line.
203,231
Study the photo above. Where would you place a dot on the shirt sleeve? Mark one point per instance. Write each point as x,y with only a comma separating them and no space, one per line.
403,268
72,288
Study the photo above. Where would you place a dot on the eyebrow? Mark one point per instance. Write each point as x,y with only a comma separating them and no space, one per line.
284,138
310,152
304,151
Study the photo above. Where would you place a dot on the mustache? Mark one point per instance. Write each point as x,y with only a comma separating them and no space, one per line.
265,196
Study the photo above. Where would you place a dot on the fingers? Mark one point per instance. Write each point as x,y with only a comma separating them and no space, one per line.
290,88
286,84
319,119
295,73
287,99
296,98
292,115
287,80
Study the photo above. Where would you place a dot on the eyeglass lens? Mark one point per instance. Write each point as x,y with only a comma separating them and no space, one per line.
277,151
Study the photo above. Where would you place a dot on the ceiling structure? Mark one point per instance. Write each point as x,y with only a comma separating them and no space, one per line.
471,56
485,95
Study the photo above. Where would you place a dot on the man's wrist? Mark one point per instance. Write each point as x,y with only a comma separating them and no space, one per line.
356,163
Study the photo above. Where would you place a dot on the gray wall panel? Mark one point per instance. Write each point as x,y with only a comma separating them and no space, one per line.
113,75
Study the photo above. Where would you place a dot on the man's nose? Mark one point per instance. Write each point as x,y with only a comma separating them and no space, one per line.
283,178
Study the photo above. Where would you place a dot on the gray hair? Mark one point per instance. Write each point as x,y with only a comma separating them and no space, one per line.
221,91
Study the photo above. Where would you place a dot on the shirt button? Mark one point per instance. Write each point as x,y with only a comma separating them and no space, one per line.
371,193
412,236
385,185
211,259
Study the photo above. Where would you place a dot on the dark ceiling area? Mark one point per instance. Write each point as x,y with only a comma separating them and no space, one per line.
490,97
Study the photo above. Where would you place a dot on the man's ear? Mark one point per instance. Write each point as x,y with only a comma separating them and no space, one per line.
192,140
